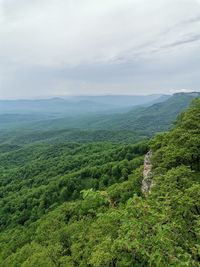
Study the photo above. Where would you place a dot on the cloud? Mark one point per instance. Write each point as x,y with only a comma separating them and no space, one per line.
56,46
173,91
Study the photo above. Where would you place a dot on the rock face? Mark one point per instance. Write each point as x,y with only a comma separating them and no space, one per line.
147,175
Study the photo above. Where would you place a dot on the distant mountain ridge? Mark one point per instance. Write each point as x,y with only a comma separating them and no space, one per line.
77,105
157,115
14,113
123,100
149,120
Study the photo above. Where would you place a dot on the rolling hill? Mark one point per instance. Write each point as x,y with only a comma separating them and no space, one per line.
155,118
73,204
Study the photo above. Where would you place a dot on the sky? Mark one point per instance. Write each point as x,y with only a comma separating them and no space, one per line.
95,47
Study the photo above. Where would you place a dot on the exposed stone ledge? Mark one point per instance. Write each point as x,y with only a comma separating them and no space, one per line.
147,175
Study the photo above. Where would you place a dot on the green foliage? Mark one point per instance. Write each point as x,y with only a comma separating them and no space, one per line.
145,121
35,179
81,205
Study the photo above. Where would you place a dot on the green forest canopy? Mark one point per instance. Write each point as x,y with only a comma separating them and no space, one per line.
78,204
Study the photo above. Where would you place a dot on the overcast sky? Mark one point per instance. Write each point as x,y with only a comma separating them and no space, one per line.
73,47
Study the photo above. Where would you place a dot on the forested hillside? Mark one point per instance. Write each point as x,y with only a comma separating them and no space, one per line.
21,137
152,114
126,127
80,204
145,120
18,113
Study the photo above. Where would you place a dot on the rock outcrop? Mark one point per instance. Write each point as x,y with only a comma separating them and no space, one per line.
147,175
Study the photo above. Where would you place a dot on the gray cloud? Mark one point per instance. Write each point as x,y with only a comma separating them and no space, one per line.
104,46
187,40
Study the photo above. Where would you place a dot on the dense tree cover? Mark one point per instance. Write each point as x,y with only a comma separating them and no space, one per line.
81,205
22,136
139,120
146,120
24,113
35,178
